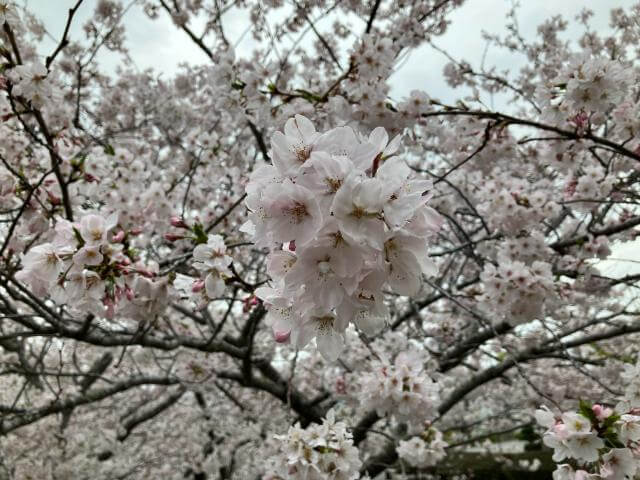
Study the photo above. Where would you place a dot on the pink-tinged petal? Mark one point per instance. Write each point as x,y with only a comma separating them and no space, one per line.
282,337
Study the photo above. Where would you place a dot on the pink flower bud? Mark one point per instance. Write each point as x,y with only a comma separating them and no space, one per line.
292,245
601,412
570,188
128,293
53,199
145,273
197,286
172,237
249,303
90,178
135,231
177,222
282,337
580,119
118,237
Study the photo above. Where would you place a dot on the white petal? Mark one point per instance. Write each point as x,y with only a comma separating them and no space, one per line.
330,345
393,146
306,128
214,286
379,138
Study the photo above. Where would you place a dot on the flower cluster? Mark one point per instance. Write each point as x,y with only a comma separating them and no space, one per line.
403,388
515,291
423,451
512,205
319,452
89,267
603,443
587,85
592,182
352,220
211,259
8,13
31,82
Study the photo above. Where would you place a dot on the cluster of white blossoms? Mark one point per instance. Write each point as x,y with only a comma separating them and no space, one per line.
516,292
572,436
587,184
403,389
8,13
344,218
586,87
423,451
50,264
212,260
31,82
89,267
603,442
319,452
512,204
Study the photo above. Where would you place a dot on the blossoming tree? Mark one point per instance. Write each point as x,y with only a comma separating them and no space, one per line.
265,267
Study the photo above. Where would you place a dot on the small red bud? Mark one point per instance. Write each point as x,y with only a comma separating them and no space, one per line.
146,273
128,293
172,237
197,286
118,237
53,199
177,222
282,337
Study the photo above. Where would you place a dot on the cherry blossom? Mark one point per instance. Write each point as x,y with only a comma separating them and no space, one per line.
363,229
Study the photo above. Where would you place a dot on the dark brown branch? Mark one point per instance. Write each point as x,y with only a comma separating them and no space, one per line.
509,120
197,40
64,41
148,413
372,16
68,403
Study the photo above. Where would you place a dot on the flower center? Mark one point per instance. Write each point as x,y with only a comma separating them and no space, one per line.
324,267
324,324
298,211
